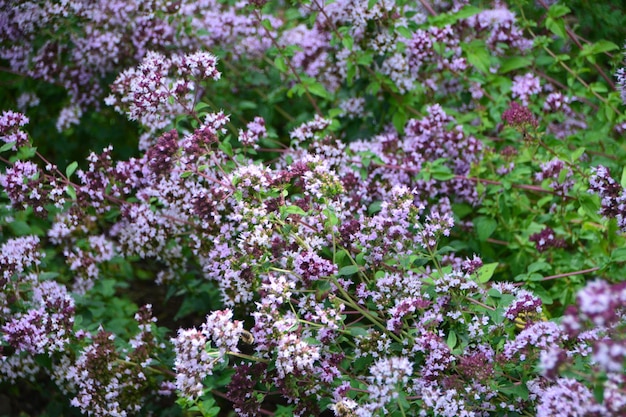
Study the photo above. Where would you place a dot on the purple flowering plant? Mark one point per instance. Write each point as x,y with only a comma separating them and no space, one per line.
336,208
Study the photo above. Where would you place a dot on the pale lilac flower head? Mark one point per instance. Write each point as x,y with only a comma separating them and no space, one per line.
18,254
10,124
525,303
223,330
561,182
597,302
388,377
295,357
308,130
255,131
312,267
567,398
193,363
525,86
198,64
69,117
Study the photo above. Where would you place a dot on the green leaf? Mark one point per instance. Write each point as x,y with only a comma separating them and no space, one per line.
486,272
70,169
513,63
623,179
451,340
404,32
516,391
539,266
365,59
557,10
374,207
20,228
478,55
556,26
399,120
267,24
201,106
575,156
280,64
285,211
26,152
467,11
48,275
226,147
7,146
590,204
598,48
442,173
348,270
618,255
208,408
284,411
318,90
485,226
347,42
69,189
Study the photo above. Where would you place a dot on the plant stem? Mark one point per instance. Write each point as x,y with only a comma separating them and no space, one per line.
564,275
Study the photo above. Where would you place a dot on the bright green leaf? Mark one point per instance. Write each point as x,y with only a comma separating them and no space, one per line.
70,169
513,63
451,341
7,146
486,272
348,270
71,192
485,226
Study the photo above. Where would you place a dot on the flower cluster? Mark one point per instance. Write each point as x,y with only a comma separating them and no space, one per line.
160,87
611,193
547,239
362,265
10,123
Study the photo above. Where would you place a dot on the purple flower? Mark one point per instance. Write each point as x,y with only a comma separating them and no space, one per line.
10,122
567,398
612,195
525,303
561,180
193,363
519,116
525,86
224,332
547,239
312,267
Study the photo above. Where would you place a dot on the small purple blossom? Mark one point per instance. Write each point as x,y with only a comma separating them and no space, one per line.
525,86
519,116
255,131
193,362
612,195
525,303
547,239
10,123
224,332
560,177
312,267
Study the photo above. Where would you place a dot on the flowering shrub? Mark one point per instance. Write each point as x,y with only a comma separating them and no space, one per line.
349,209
